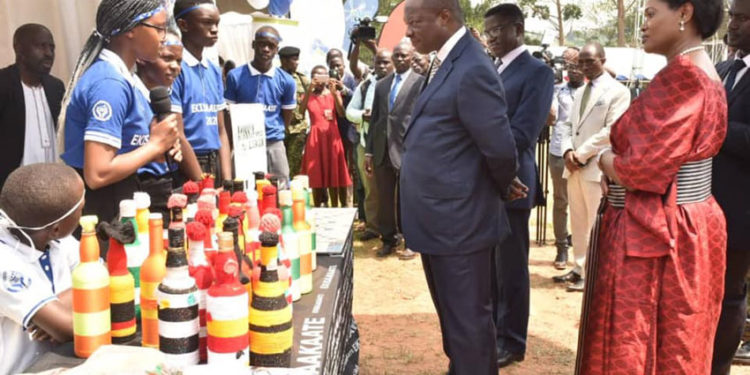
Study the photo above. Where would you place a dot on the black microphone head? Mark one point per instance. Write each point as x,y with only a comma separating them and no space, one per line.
160,102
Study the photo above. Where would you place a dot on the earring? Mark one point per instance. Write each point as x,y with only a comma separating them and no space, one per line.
682,25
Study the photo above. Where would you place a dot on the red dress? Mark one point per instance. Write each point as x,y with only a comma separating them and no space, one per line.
324,161
655,295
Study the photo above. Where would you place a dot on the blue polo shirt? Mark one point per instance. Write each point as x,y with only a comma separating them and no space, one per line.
109,105
197,94
275,89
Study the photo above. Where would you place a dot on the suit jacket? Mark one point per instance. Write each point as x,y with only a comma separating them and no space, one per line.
459,157
529,86
588,134
13,115
388,125
731,167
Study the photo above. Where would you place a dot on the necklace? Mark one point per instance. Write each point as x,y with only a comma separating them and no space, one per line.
691,49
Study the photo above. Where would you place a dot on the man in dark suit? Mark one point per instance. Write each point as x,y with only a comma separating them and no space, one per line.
529,86
29,101
731,184
459,160
394,100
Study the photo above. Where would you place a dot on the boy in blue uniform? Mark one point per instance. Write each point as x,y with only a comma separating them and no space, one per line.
197,93
109,131
261,82
40,205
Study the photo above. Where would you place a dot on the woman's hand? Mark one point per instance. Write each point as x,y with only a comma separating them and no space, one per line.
164,134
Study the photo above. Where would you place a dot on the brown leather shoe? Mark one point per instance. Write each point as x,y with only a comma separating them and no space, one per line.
407,254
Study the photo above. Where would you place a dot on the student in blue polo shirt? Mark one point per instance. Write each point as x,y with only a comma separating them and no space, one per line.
197,93
261,82
110,133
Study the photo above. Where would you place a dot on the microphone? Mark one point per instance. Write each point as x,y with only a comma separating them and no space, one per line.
161,105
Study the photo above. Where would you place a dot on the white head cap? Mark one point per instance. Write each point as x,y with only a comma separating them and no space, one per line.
127,208
142,200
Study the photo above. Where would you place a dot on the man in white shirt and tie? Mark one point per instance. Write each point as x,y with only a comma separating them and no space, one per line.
394,99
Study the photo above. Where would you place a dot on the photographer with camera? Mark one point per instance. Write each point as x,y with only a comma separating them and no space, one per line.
323,160
365,34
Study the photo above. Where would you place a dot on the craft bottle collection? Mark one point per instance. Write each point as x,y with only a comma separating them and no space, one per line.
223,299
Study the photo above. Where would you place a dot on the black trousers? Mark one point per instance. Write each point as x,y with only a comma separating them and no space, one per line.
511,286
460,289
386,178
733,311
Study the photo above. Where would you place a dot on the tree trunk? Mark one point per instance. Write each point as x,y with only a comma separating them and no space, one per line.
560,28
621,23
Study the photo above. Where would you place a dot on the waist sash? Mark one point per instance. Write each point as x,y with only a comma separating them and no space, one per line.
693,184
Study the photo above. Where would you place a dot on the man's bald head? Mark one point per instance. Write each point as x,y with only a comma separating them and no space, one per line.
570,53
37,194
25,32
333,53
596,48
267,29
451,5
35,51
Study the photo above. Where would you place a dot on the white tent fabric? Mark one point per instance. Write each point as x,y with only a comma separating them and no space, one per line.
71,23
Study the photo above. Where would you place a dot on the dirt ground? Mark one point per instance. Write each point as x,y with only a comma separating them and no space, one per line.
399,329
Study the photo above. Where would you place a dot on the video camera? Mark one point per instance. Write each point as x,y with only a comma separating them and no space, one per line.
363,30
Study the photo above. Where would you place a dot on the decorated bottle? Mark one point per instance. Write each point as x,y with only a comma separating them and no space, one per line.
152,272
136,253
142,205
227,310
121,282
176,205
252,242
91,315
310,217
271,331
259,185
291,243
232,226
201,271
305,238
270,222
177,299
225,199
269,198
205,217
192,191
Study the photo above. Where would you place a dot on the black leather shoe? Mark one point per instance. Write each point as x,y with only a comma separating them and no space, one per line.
576,286
368,235
570,277
385,251
561,260
505,358
742,355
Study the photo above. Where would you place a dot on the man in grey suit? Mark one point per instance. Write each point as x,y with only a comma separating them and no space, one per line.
459,161
394,100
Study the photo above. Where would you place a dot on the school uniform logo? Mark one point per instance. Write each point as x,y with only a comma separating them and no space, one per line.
102,110
14,281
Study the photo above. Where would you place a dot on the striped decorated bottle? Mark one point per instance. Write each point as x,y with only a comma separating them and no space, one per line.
201,271
309,217
227,310
291,242
152,272
142,205
177,299
91,319
136,253
121,294
271,331
302,228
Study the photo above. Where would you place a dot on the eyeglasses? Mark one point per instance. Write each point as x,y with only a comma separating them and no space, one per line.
161,29
495,31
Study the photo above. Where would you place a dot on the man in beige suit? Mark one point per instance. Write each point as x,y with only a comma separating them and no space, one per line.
595,108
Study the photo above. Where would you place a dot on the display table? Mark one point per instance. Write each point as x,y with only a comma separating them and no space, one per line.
326,339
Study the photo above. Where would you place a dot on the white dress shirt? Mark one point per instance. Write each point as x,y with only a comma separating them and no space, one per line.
509,57
450,43
39,141
564,96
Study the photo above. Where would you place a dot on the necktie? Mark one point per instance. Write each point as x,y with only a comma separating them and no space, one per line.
394,91
585,99
434,68
498,64
736,67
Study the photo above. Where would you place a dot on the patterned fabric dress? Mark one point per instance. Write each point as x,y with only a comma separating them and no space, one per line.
657,281
324,161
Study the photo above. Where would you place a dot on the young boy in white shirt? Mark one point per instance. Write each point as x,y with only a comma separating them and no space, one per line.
40,206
